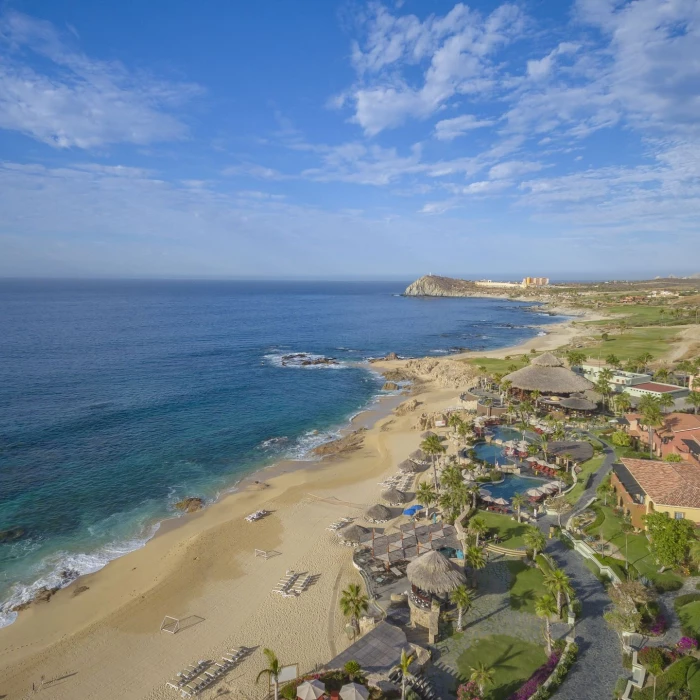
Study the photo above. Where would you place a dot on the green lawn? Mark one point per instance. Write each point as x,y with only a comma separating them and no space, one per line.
526,586
513,660
494,366
587,468
511,531
634,342
637,548
636,315
689,614
682,675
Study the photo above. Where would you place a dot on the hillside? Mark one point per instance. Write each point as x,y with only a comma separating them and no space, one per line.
435,286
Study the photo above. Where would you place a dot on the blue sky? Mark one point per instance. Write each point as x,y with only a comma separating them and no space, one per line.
346,139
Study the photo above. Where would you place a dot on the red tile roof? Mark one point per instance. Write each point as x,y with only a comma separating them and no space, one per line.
655,386
667,483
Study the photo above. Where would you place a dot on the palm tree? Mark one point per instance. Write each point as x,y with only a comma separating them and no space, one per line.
613,360
644,359
602,386
273,670
545,607
353,602
405,663
623,403
474,558
569,460
559,433
432,446
558,584
693,399
462,598
662,374
426,496
652,417
535,540
482,675
477,526
544,446
575,358
506,385
518,501
666,401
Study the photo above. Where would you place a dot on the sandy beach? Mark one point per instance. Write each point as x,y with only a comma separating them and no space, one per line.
100,637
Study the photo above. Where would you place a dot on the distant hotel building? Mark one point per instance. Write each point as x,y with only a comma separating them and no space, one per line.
527,282
535,281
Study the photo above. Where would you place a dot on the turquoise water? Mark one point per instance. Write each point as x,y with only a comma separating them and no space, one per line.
513,484
491,453
118,398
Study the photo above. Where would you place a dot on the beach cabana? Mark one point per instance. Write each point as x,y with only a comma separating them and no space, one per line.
427,434
394,497
354,691
548,375
311,690
378,513
354,533
433,572
419,457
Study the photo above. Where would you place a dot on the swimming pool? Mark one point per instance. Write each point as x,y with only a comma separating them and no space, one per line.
503,432
513,484
491,453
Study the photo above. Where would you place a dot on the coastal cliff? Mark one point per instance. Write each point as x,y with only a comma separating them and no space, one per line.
435,286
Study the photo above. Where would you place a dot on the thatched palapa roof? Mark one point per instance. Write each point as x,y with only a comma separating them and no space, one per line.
427,434
408,466
394,496
435,573
353,533
418,456
578,403
547,374
378,512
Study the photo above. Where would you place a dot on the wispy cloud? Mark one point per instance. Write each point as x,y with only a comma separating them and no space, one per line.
54,93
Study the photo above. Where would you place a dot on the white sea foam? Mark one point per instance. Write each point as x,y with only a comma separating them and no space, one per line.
542,333
51,571
306,443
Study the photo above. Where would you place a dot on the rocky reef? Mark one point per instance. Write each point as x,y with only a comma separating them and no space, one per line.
190,505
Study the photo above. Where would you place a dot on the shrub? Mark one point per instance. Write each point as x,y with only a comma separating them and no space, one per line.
652,659
687,645
682,600
620,688
667,585
468,691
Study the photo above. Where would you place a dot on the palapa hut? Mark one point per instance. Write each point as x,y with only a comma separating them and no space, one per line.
378,513
353,533
394,497
419,457
433,572
427,434
408,466
548,375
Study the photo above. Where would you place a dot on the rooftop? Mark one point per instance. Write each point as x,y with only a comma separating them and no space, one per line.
666,483
657,387
378,651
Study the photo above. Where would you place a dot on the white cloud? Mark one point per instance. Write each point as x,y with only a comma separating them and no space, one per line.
458,49
66,99
542,68
511,168
449,129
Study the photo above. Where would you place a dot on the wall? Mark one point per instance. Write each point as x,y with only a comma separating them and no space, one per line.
689,513
622,498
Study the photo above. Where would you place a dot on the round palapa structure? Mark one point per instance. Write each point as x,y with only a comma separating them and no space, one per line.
378,512
408,466
394,496
353,533
548,375
433,572
578,403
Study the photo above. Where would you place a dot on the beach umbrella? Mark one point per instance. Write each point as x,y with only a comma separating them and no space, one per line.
501,501
353,533
354,691
484,493
410,511
427,434
418,456
435,573
488,499
531,459
394,496
378,512
534,492
311,690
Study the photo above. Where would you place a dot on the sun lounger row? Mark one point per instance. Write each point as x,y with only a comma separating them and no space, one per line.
204,674
256,516
284,587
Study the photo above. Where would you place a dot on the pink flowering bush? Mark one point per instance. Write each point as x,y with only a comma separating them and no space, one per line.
468,691
530,687
687,645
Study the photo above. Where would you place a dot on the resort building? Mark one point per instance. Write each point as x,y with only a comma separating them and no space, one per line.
680,434
535,281
644,486
635,384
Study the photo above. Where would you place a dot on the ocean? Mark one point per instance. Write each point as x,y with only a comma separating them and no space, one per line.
119,398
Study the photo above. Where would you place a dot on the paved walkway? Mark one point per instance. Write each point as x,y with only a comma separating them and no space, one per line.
491,614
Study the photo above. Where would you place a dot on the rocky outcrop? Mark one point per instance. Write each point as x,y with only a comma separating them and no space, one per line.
190,505
302,359
446,373
390,386
435,286
342,446
407,407
12,534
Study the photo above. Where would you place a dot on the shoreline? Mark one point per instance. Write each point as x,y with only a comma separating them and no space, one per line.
130,595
